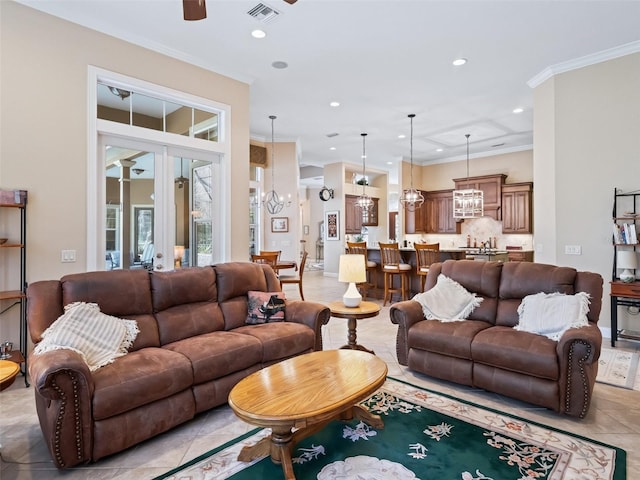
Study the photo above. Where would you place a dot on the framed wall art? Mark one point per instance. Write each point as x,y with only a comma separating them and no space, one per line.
279,224
332,225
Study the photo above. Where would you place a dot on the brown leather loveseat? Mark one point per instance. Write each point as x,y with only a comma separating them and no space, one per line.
485,350
193,347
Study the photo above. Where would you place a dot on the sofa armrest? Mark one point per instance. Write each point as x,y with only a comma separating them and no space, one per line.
578,352
405,314
63,392
311,314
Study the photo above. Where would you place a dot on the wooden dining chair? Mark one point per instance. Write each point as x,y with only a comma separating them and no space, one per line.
392,266
267,252
270,259
287,279
360,248
426,254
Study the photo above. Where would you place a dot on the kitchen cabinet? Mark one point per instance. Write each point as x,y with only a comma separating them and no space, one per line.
491,187
520,255
516,207
355,219
414,220
443,212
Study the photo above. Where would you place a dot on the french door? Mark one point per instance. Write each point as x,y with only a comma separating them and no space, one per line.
161,205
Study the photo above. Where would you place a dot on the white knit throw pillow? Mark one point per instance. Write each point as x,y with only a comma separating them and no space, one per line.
447,301
97,337
552,314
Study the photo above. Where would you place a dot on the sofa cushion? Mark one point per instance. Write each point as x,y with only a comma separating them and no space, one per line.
280,340
447,300
236,279
83,328
188,320
139,378
265,307
186,285
521,352
520,279
551,314
214,355
481,278
447,338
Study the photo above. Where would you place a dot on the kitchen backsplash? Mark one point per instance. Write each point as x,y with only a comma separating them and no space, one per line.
481,229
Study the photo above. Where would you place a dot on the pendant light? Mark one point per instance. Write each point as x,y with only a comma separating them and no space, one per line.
273,202
468,203
411,198
364,201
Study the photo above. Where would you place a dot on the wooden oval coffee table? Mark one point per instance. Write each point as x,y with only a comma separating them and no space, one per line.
305,393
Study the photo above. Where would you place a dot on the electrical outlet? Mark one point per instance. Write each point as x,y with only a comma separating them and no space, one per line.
68,256
573,250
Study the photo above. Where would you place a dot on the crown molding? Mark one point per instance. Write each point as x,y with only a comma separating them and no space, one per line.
587,60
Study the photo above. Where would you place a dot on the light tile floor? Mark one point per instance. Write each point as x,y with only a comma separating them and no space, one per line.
614,416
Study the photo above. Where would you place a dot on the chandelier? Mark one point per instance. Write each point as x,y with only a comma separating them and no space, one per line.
364,201
411,198
468,203
273,202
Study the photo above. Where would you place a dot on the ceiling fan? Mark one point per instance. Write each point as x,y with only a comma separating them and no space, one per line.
197,9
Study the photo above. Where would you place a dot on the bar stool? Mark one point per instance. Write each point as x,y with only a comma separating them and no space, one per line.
426,254
360,248
392,265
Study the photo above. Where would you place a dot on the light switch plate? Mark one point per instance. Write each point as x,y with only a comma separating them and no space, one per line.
573,250
68,256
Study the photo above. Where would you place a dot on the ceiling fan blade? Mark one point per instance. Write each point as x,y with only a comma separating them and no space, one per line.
291,2
194,9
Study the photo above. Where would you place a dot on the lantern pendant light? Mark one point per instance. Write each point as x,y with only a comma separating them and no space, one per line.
364,201
273,202
411,198
468,203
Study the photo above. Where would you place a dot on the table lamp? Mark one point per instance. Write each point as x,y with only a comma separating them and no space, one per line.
627,260
352,269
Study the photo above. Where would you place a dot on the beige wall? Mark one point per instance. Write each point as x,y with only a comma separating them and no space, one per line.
517,166
586,144
44,129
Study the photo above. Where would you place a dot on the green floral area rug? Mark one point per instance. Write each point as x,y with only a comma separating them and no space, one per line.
427,435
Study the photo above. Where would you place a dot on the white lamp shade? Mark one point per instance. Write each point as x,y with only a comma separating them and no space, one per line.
352,269
627,259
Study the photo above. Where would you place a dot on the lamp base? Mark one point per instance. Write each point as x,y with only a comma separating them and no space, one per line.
627,276
352,297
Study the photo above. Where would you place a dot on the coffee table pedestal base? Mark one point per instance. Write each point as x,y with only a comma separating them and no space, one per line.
279,445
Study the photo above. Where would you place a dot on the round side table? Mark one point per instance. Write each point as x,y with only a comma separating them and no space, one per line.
8,372
364,310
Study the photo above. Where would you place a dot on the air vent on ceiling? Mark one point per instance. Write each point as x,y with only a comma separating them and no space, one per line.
264,13
331,135
497,145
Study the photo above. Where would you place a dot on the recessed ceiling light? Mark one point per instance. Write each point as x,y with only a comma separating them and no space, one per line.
279,64
258,34
332,148
334,104
459,61
518,110
402,136
439,149
389,163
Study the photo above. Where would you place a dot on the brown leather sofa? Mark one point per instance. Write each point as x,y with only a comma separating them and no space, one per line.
193,347
485,351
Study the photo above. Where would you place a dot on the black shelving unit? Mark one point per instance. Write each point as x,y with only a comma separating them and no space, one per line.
17,298
626,210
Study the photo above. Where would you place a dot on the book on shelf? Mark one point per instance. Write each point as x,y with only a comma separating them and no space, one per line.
625,234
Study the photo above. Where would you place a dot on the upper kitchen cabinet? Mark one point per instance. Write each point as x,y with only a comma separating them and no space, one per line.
491,186
441,211
516,207
415,220
354,217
